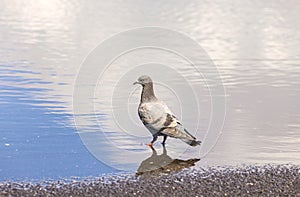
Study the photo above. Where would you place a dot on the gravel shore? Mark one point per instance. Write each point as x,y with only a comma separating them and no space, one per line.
283,180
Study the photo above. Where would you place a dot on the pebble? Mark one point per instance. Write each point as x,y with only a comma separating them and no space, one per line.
281,180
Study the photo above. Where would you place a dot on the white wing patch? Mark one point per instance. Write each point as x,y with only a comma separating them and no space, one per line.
156,115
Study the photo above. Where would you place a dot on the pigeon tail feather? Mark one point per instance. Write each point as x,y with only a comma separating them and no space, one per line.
191,142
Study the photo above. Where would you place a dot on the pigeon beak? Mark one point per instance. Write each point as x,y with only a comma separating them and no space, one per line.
135,83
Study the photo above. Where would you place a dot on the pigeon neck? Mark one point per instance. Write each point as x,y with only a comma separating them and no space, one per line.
148,93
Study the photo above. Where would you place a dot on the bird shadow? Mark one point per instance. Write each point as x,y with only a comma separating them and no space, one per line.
163,164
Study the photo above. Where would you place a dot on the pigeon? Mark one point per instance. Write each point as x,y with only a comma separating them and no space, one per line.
158,118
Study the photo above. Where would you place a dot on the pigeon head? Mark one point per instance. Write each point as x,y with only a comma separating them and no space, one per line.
143,80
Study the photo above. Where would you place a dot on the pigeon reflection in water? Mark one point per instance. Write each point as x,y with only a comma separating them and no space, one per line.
163,164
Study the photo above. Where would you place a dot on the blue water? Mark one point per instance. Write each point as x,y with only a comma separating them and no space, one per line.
34,142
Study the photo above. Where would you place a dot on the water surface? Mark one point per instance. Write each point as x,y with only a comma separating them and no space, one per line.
254,44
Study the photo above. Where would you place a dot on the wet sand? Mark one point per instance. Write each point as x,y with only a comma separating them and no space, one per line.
218,181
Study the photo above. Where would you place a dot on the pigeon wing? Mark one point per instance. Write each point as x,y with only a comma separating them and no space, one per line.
156,115
173,128
179,131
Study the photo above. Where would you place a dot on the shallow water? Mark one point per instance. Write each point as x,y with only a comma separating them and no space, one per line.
254,45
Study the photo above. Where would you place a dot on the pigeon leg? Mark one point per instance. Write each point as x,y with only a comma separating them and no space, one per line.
151,143
164,141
